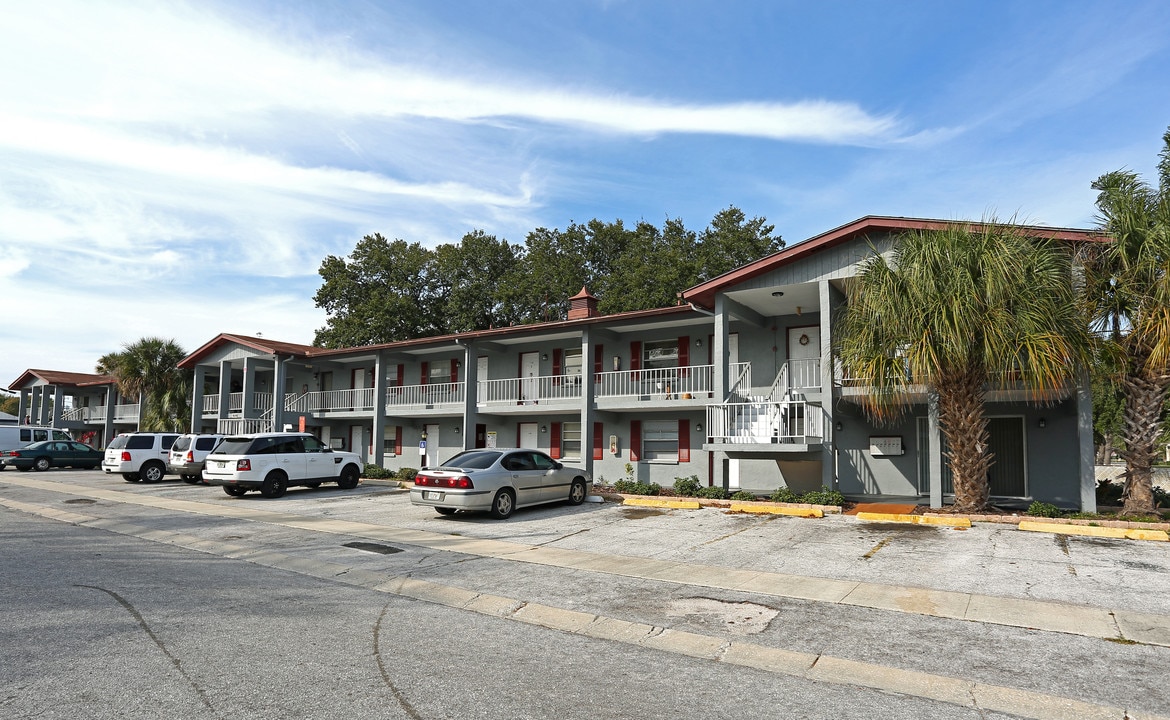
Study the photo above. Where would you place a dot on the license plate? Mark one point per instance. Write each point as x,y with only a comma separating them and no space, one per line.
220,465
432,495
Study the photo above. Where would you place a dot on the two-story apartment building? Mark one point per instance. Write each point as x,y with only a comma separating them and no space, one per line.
87,405
735,385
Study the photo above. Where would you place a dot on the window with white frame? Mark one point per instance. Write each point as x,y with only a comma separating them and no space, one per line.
571,441
660,440
439,373
660,354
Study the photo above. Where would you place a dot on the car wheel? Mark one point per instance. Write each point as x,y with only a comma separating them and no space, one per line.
234,491
577,492
190,479
445,511
131,477
152,472
274,485
503,504
42,464
349,478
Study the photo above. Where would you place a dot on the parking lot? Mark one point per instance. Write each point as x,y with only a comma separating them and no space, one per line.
887,595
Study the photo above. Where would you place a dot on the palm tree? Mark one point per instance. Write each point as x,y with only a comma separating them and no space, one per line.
956,311
148,369
1127,285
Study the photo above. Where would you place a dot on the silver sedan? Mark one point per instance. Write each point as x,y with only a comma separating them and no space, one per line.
498,481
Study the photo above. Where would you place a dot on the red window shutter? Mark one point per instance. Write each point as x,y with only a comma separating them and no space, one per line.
397,439
454,370
635,440
401,375
555,441
598,446
636,357
423,373
517,434
558,363
684,354
598,358
684,441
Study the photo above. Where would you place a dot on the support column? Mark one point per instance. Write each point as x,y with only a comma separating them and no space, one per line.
111,403
1085,438
828,431
279,371
379,430
936,458
470,395
722,386
197,381
225,390
58,405
35,415
23,408
249,403
588,394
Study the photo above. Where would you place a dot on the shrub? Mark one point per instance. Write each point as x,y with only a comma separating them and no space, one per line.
783,495
1109,493
743,496
824,496
630,487
688,486
713,492
407,474
376,472
1042,509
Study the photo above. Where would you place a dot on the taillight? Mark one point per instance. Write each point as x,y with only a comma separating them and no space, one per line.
14,453
126,457
461,482
243,465
190,456
422,480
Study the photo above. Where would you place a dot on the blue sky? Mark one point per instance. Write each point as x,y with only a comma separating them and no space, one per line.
181,170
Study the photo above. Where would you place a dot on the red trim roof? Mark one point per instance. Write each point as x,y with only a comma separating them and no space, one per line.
703,294
58,377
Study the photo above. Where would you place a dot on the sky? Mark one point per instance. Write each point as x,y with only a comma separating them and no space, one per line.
181,170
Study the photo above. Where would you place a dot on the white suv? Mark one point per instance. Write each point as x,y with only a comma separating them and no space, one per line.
139,456
274,462
188,453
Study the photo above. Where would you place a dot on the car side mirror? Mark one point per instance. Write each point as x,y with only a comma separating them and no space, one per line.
557,466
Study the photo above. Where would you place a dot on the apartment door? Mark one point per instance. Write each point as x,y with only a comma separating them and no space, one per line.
481,376
804,345
528,435
357,442
432,454
529,372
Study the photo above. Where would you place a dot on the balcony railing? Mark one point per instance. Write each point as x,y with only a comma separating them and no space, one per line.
531,390
86,414
804,374
126,413
658,383
794,422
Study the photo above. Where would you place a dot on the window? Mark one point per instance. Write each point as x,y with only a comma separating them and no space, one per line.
660,440
313,445
439,373
572,363
660,354
571,440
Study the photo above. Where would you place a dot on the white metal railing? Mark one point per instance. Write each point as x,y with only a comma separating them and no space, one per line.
740,375
794,422
804,373
658,383
74,415
448,393
211,404
351,400
126,412
242,426
518,391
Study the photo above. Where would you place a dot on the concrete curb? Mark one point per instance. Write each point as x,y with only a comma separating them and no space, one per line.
1105,532
776,510
949,521
654,502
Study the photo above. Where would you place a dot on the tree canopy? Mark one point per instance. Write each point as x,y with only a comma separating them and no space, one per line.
1127,288
389,290
148,369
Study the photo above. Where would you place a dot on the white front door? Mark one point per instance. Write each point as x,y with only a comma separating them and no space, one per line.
356,443
804,349
432,455
529,370
528,435
733,348
481,376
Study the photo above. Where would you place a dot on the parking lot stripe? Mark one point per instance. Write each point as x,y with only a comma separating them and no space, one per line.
1014,612
817,668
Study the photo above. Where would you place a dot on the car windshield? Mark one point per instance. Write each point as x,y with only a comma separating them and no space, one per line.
473,460
182,443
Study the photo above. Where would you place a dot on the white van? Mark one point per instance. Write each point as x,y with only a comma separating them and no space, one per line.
14,437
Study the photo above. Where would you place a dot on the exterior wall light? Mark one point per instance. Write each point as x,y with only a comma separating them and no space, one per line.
1042,423
544,428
